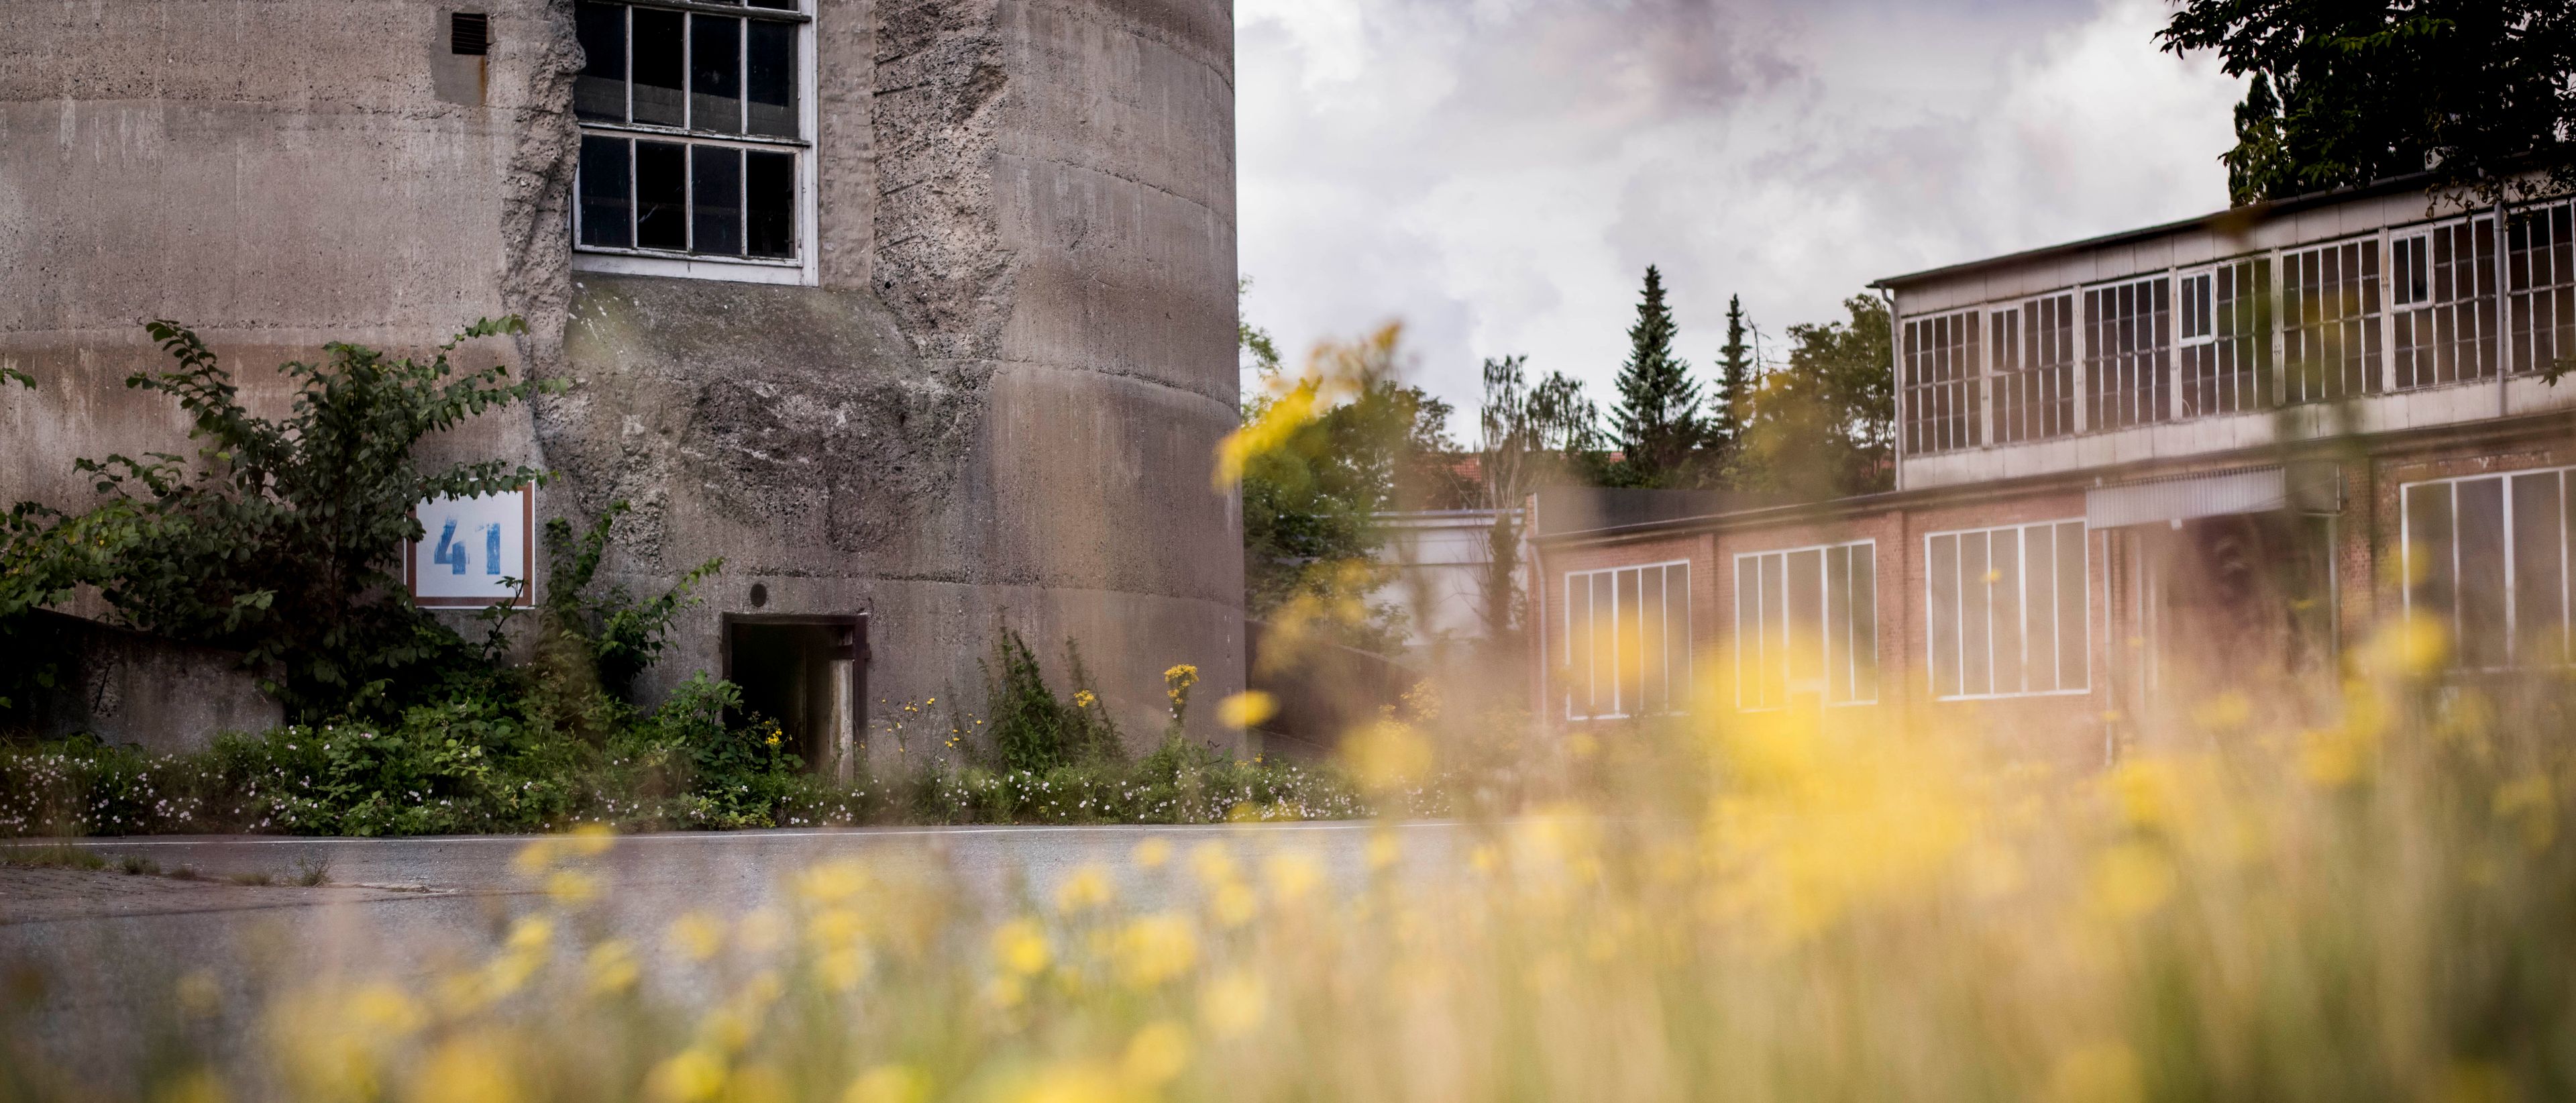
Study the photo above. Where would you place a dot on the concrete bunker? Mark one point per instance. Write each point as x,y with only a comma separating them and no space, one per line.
807,672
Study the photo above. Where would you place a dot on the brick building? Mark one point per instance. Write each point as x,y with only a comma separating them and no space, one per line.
2134,473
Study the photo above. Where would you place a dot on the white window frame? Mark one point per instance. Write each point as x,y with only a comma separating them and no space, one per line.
2396,302
805,267
2510,360
1824,582
1932,675
1677,674
2088,350
2372,319
2512,596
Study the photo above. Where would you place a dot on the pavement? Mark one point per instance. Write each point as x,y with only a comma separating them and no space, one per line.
105,949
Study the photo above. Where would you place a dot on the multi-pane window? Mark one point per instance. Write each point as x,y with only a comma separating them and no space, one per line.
692,126
2226,338
1627,641
2442,300
1941,392
2540,277
2005,610
2128,340
2034,369
2486,557
2330,322
1806,624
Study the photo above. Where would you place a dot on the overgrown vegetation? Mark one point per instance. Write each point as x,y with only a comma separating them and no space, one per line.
279,540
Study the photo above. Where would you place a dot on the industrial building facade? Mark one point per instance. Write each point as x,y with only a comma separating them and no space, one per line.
2134,474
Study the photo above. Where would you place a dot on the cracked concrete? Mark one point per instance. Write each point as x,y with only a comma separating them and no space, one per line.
995,408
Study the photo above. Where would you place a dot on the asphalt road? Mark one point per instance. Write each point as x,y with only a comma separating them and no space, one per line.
109,948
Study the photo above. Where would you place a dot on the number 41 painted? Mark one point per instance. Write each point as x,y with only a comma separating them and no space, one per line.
451,551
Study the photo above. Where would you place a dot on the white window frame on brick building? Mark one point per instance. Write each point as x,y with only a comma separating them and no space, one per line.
2223,325
1953,630
2128,352
2540,286
1596,646
744,143
2512,570
2442,303
1806,625
2331,303
2032,358
1944,382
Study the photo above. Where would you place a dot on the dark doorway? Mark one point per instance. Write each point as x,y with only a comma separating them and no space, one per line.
2241,603
808,674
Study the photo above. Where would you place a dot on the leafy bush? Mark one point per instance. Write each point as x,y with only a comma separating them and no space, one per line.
280,538
1033,730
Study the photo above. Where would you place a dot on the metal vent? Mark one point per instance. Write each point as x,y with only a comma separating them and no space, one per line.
469,33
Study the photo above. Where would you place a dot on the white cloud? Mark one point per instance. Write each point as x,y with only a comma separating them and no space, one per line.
1498,173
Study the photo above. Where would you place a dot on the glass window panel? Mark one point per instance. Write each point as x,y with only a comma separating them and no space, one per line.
1775,630
2006,555
607,204
2482,643
769,78
1864,603
1632,652
660,67
1578,644
1838,624
661,195
769,198
2539,614
1941,576
2071,665
715,194
715,74
1976,613
1806,619
1605,644
1748,633
780,5
2428,553
599,92
1677,651
1655,695
2039,612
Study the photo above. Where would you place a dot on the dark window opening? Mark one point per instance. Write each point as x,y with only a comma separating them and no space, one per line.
469,33
804,674
607,211
710,91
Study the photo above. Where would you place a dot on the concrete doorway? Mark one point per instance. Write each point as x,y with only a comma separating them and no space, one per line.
808,673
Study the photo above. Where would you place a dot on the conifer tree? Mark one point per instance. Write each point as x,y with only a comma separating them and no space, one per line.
1731,408
1659,417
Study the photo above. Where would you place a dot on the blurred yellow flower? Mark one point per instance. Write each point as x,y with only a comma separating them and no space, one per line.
1156,1055
1086,889
2103,1072
692,1075
2129,880
1292,875
697,935
469,1068
1247,709
1234,1004
1021,946
1152,853
612,967
889,1084
1156,948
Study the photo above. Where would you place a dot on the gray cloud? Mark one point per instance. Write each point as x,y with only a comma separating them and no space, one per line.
1497,173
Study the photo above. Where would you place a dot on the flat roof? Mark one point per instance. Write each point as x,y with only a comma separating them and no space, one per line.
2231,218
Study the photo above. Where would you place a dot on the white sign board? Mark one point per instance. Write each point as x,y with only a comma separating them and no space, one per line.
473,552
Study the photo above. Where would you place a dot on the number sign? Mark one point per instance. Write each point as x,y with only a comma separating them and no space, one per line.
473,552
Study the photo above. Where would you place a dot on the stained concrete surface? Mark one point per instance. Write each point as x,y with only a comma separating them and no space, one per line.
111,947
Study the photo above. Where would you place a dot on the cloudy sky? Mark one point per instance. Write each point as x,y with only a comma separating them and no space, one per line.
1498,173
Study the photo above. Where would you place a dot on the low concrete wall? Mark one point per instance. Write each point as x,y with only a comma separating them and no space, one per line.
134,689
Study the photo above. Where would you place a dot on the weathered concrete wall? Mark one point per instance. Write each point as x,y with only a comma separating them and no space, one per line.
132,689
997,408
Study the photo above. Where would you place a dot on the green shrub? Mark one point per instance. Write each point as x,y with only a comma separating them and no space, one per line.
1030,729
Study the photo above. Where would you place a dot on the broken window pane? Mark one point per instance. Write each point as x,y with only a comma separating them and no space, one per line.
599,93
770,79
661,195
715,74
607,211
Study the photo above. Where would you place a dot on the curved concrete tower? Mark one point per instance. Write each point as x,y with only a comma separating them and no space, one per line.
918,312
